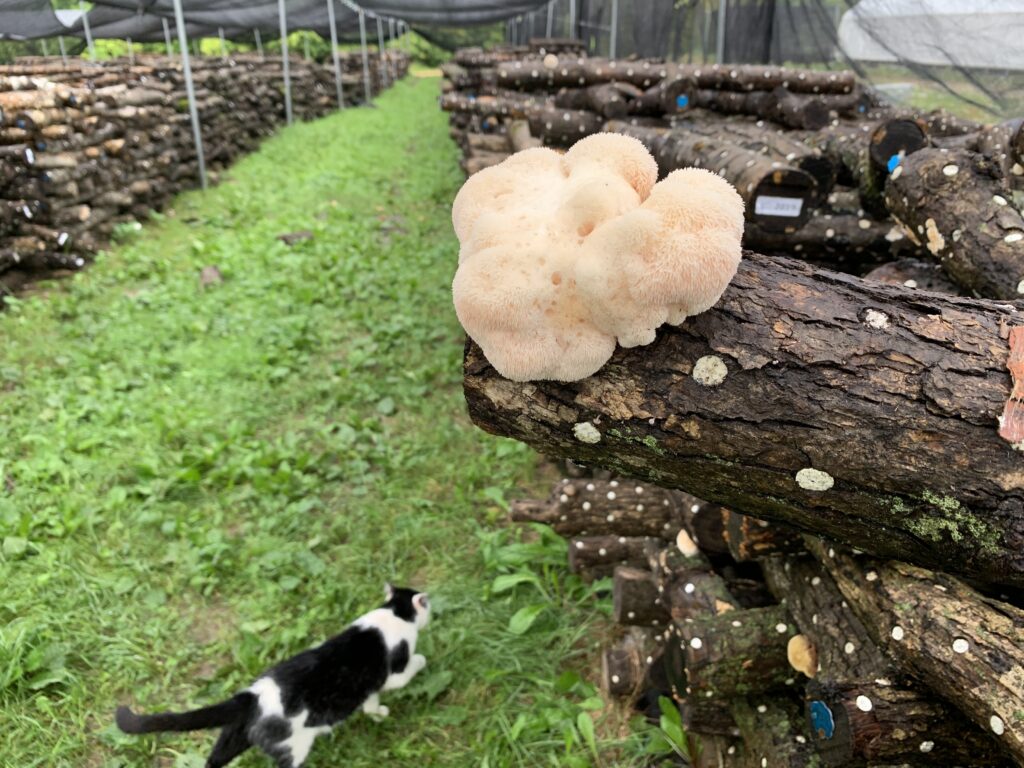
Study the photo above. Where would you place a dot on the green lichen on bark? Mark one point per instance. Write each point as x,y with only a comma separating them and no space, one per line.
939,517
647,440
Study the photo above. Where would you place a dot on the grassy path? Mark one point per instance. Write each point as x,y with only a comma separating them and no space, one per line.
197,481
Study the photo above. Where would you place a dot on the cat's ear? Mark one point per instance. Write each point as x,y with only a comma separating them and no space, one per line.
389,591
422,600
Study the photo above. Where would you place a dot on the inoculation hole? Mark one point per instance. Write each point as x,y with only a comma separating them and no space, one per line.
585,229
556,278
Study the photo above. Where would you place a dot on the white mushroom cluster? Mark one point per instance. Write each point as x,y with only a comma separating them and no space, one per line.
562,256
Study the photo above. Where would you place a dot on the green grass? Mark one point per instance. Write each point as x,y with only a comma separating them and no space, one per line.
199,481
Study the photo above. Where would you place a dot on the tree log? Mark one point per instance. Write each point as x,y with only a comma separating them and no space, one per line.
777,196
635,598
953,204
597,556
970,652
912,273
852,409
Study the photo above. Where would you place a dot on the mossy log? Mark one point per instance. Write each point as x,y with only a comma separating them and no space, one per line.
737,652
847,408
954,204
967,648
774,733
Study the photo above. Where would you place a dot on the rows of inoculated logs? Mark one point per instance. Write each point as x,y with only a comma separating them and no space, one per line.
828,173
785,650
87,147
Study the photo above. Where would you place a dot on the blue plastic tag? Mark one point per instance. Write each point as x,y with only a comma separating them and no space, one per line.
682,101
893,162
821,719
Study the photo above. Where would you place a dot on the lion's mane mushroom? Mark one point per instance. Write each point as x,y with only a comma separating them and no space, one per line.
563,255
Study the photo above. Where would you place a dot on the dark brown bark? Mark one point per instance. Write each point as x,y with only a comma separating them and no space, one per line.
751,539
879,714
781,106
595,557
760,181
584,507
845,242
624,665
970,650
912,273
954,204
736,653
564,127
773,732
853,409
519,135
635,598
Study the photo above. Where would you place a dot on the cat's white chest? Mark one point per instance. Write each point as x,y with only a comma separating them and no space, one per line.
394,629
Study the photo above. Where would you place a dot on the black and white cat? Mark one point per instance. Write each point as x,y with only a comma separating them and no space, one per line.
292,703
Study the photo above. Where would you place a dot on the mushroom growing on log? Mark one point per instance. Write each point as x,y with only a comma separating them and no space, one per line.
852,409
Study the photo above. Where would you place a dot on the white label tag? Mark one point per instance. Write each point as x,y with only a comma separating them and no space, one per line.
766,205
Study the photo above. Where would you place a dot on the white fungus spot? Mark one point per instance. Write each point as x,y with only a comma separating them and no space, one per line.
615,678
800,739
762,708
999,200
685,544
960,645
849,648
950,170
897,633
710,371
864,704
876,319
587,433
602,551
871,576
781,628
910,283
696,643
897,171
611,495
737,623
927,746
563,498
816,581
1014,237
814,479
996,723
688,589
586,506
579,545
764,762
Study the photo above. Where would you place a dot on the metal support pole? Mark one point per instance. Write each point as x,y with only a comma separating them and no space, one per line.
283,18
551,19
391,47
167,37
572,19
63,50
223,43
259,43
615,29
334,53
131,53
385,76
46,48
720,47
305,48
88,32
195,47
366,56
190,90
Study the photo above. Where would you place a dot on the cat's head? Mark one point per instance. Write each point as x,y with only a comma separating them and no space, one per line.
408,604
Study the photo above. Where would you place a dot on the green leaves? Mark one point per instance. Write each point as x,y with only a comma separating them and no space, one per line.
523,619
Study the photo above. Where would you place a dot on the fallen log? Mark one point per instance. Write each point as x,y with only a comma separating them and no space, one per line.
954,205
780,106
913,273
852,409
971,652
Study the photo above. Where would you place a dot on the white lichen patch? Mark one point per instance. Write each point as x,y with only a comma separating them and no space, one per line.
781,628
894,235
1014,237
849,648
811,479
999,200
936,242
927,746
586,433
876,319
996,724
710,371
1020,287
864,704
950,170
897,633
960,645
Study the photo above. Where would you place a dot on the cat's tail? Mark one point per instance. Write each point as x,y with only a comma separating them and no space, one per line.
213,716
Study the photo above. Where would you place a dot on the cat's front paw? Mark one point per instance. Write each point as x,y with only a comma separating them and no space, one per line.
382,712
418,661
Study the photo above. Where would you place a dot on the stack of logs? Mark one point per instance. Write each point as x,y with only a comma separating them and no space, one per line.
812,153
781,649
87,147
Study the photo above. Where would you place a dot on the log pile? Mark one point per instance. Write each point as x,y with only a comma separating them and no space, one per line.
829,173
88,147
784,648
